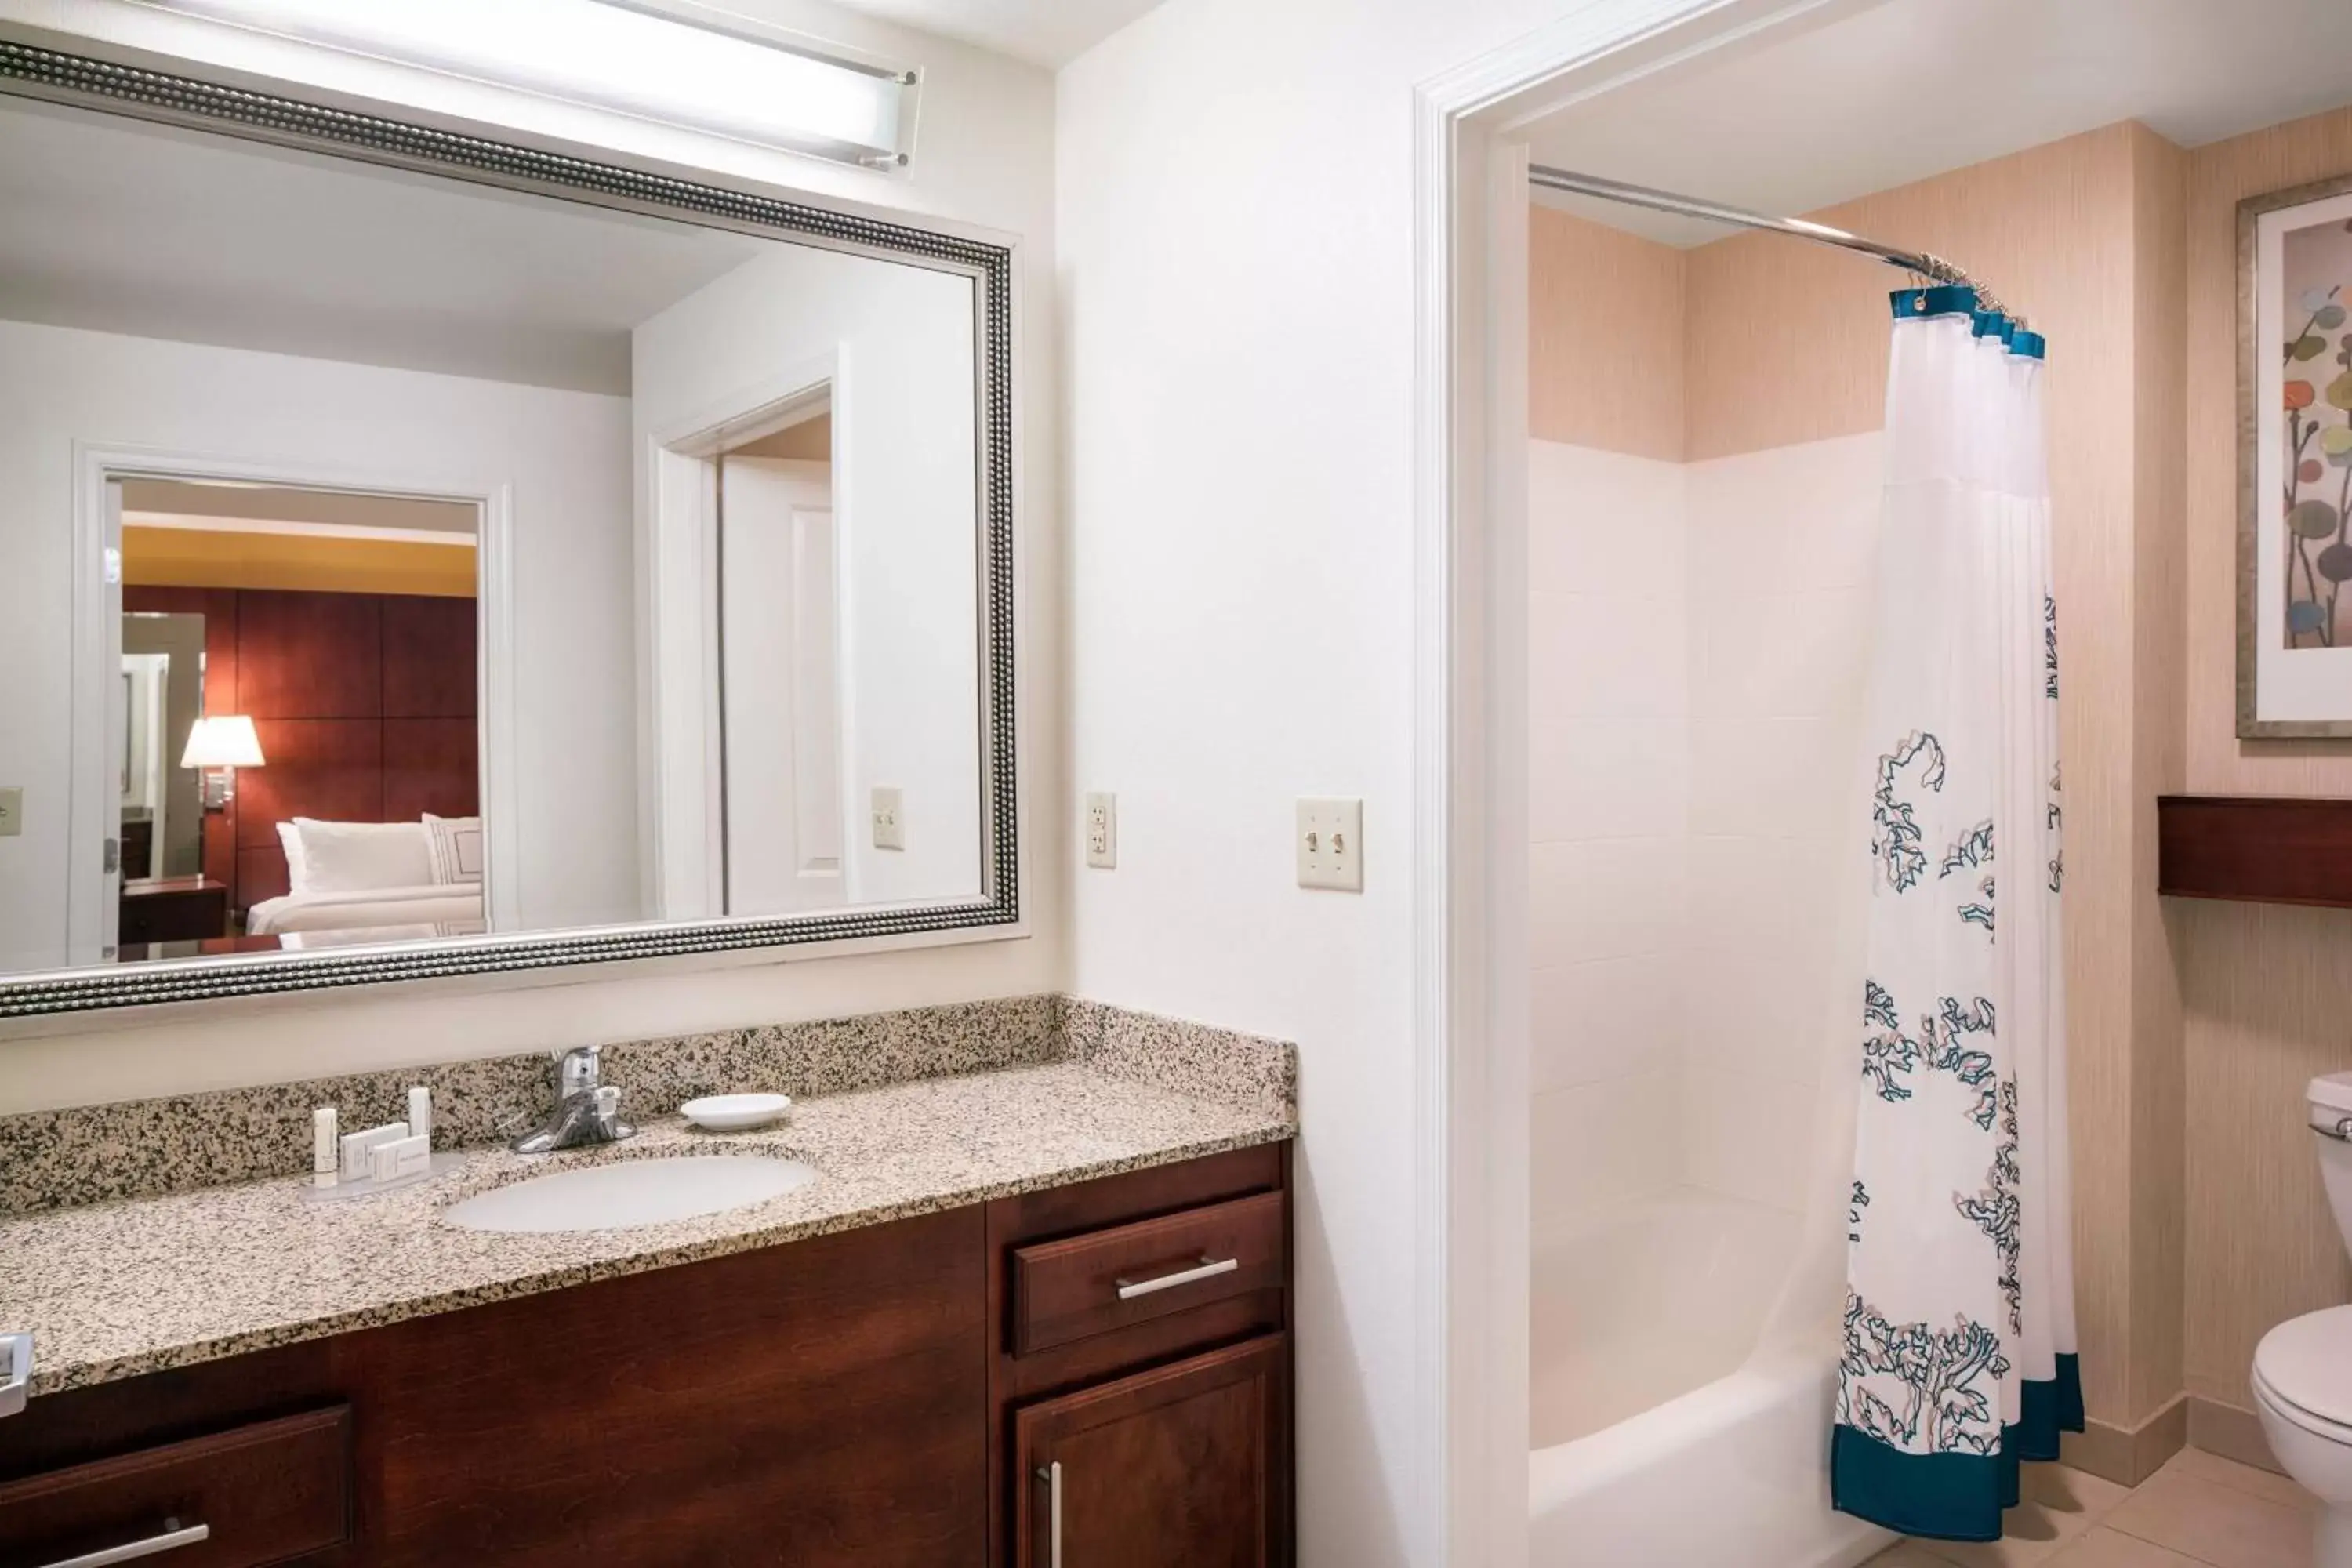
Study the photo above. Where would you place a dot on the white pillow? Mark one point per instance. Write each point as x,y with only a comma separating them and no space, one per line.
454,843
362,856
297,875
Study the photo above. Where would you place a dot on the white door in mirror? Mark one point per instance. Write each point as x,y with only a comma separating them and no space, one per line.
1330,844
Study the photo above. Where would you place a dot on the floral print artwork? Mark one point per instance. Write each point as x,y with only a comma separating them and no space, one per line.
2316,385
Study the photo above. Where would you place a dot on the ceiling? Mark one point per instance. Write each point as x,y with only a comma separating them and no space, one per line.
263,509
1050,33
122,226
1855,98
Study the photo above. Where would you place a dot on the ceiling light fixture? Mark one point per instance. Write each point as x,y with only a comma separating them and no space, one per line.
730,81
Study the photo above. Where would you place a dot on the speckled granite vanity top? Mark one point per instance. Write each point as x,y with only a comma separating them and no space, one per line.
116,1289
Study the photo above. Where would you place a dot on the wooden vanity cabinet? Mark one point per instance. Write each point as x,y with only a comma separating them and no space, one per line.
1171,1410
848,1401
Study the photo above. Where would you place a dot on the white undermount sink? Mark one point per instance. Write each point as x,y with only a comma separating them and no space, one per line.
630,1193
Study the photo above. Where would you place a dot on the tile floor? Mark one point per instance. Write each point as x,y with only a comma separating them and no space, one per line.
2197,1512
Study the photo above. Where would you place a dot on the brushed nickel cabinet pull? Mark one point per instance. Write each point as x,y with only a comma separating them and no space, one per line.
1052,1475
172,1536
1207,1268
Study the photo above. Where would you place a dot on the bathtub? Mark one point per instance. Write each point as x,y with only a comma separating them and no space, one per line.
1683,1365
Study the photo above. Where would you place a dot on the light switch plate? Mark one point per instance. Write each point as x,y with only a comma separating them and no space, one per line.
889,818
1102,829
1330,843
12,811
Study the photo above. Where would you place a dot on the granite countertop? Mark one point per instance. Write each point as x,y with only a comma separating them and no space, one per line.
115,1289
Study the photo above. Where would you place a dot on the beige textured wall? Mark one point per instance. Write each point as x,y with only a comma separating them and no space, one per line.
1785,343
1605,331
2267,991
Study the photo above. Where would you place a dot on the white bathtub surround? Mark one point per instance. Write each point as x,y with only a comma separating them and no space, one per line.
1959,1335
1692,1143
1652,1388
1608,695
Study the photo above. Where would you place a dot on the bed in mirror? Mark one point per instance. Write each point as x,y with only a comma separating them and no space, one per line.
429,561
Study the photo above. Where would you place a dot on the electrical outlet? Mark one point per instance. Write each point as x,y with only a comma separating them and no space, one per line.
889,818
1102,829
1330,844
12,811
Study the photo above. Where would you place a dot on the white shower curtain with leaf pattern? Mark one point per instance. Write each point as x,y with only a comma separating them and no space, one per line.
1959,1329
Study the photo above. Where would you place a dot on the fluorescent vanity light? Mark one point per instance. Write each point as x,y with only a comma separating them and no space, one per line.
610,56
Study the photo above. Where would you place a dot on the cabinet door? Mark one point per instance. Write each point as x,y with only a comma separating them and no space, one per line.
1186,1466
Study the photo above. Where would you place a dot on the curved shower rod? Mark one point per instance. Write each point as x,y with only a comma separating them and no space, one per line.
1920,263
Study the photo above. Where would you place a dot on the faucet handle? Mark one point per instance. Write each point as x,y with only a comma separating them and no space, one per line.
578,1068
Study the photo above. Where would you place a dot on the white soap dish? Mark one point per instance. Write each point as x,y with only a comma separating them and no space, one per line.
736,1112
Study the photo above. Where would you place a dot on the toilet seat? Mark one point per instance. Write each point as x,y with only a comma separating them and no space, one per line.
2303,1368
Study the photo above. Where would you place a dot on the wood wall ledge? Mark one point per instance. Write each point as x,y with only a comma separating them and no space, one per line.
2272,849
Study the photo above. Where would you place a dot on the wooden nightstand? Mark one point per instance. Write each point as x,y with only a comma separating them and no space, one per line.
173,909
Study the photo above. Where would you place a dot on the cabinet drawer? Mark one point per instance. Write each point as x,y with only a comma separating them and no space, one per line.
1082,1285
239,1498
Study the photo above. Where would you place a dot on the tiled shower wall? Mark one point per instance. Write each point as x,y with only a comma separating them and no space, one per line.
1696,639
1608,699
1780,548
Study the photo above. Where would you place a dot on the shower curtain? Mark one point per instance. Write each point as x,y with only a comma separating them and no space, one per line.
1958,1358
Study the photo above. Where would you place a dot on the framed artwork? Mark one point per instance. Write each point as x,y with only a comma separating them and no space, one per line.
2295,463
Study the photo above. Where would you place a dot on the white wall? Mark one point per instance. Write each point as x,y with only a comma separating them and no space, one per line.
1608,801
563,455
1236,217
986,157
906,501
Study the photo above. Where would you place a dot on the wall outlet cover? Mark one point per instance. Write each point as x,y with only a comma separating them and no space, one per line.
1329,842
12,811
1102,829
889,810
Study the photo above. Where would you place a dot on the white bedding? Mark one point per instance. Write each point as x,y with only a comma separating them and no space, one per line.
427,905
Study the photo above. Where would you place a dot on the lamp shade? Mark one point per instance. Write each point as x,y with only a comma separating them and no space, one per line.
226,741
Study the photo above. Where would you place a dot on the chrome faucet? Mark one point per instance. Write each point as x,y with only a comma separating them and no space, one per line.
584,1111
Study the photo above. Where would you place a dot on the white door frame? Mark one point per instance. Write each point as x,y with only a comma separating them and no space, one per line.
1470,743
98,561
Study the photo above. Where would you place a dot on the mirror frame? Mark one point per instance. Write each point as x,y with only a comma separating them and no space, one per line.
82,81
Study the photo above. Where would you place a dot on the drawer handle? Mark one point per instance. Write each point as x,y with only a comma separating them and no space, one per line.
1207,1268
1052,1475
15,1371
172,1537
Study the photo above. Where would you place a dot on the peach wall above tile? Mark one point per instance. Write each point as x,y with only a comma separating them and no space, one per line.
1605,325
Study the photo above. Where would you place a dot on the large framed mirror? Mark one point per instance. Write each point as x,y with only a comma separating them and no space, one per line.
431,556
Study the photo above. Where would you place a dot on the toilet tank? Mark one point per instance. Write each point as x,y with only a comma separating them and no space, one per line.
2330,1104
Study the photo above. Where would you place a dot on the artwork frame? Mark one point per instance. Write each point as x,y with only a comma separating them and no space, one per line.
2295,463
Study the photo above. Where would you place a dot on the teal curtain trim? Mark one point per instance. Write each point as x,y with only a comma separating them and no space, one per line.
1945,1497
2069,1393
1959,299
1942,300
2046,1409
1954,1497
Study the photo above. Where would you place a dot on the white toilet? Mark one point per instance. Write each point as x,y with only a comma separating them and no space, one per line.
2303,1368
